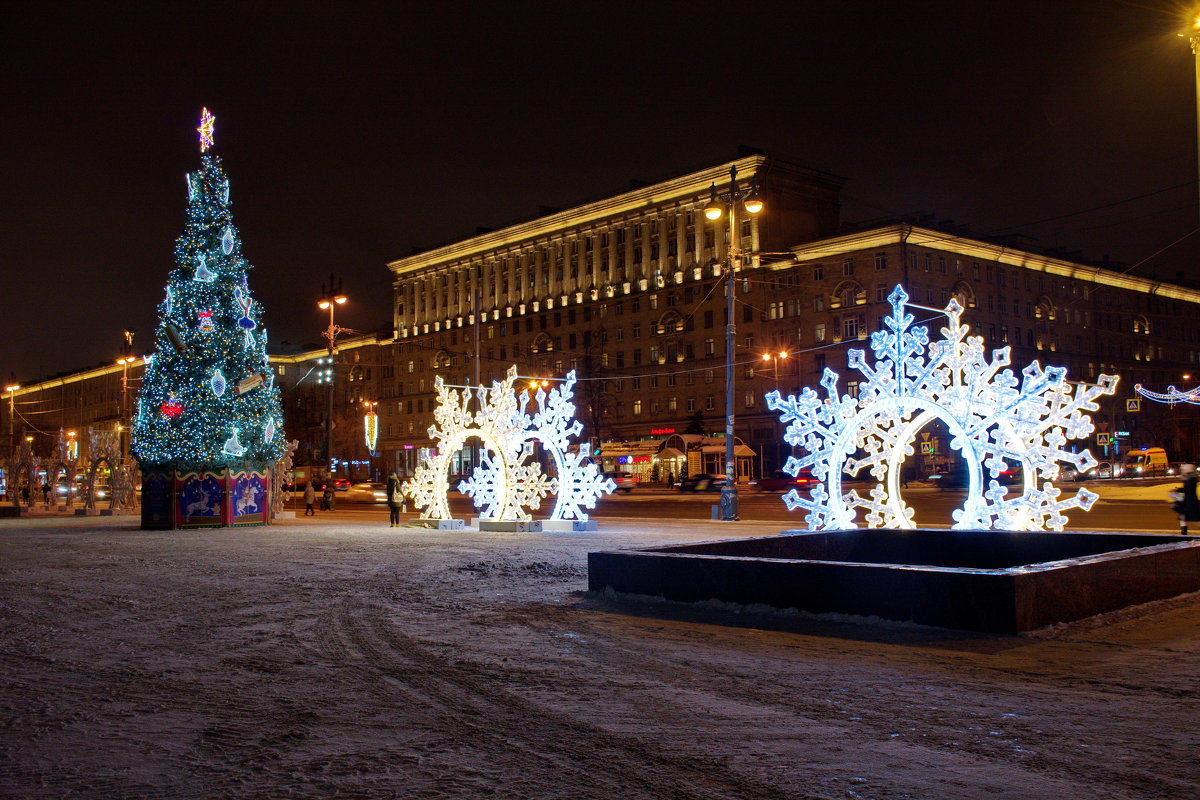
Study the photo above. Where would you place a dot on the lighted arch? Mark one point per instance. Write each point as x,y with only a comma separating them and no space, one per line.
993,417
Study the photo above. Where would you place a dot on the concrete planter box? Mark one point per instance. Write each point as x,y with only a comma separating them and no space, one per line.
993,581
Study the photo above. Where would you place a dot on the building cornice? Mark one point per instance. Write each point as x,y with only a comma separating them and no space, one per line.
984,251
115,369
686,187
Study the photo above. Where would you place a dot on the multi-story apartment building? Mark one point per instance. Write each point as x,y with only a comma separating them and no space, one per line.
630,293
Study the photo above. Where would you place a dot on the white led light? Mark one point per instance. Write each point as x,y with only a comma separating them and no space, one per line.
508,480
993,419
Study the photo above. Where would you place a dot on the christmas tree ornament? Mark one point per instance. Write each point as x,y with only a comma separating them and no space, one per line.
218,383
227,242
172,336
203,273
204,321
250,382
171,408
232,446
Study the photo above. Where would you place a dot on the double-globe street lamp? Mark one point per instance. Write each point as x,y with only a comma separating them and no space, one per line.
726,204
774,357
331,298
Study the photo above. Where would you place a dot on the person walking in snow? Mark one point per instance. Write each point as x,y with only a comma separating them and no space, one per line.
310,497
1188,507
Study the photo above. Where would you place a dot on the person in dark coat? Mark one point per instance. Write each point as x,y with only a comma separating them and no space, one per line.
395,500
1188,507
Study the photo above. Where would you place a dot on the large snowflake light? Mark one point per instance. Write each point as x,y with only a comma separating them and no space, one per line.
508,480
993,418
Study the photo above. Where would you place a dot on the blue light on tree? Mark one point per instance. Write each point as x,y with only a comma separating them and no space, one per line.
994,419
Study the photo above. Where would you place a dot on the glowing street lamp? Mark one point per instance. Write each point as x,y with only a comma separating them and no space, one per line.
775,358
331,298
726,204
124,361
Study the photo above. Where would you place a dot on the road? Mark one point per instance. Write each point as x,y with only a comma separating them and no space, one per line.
933,509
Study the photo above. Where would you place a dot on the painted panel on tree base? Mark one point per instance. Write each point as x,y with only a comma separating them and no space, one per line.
248,490
199,500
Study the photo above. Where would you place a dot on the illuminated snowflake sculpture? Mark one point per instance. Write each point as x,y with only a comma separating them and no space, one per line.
578,484
992,418
508,480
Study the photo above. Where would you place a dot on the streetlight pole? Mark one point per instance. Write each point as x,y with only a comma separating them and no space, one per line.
1193,37
718,204
124,361
331,298
775,358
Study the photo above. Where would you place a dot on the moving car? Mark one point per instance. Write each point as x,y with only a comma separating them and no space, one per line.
366,493
780,481
623,480
341,484
702,482
1145,461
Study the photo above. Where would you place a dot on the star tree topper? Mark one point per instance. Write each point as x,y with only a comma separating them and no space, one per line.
207,122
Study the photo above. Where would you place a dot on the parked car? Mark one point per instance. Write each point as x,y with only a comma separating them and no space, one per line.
780,481
365,493
623,480
702,482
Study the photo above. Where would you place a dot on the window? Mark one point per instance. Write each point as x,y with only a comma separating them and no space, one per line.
691,404
852,388
850,327
709,403
880,292
748,399
880,261
708,376
637,407
818,272
848,266
819,302
819,332
709,347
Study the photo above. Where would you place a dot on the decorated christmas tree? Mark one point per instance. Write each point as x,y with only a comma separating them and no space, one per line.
208,398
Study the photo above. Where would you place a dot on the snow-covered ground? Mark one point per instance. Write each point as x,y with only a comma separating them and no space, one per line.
314,661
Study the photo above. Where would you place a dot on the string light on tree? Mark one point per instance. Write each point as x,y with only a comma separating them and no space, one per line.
209,339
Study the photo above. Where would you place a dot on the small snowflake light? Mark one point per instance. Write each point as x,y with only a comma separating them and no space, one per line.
993,418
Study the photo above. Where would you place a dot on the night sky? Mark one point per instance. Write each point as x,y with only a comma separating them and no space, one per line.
354,135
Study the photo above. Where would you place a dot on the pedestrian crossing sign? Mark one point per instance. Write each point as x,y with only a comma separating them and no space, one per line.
1133,405
1104,438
